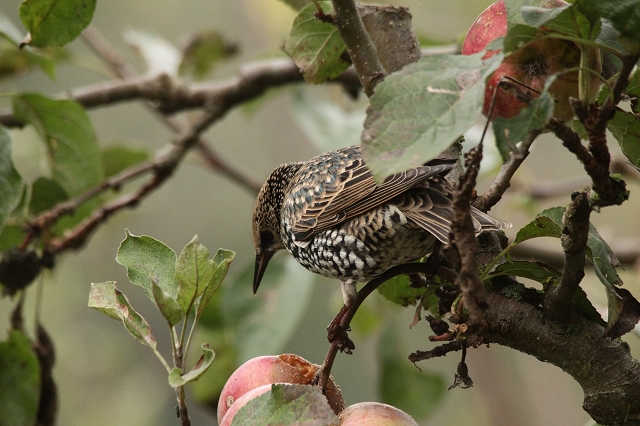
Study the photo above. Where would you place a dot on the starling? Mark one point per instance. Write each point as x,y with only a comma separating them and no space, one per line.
336,221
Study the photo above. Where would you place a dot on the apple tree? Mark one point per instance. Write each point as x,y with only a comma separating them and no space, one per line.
550,70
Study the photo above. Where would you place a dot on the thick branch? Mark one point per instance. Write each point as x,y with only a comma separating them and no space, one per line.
604,367
172,96
362,51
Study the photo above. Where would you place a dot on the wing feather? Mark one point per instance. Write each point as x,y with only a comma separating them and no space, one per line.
335,187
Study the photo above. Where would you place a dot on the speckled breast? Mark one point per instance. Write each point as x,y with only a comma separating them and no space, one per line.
363,247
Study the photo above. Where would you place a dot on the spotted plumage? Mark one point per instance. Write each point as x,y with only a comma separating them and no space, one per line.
336,221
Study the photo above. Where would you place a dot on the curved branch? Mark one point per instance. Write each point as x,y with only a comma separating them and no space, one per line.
343,318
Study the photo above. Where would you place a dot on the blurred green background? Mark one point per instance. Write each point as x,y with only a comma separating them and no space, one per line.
106,378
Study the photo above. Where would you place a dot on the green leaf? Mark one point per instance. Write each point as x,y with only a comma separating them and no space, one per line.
206,391
147,261
327,125
514,10
625,128
118,158
220,263
625,17
627,314
160,55
70,139
45,193
546,224
539,16
536,271
19,381
633,88
11,236
169,307
584,306
398,291
419,111
509,132
55,22
11,184
604,264
603,259
578,127
106,298
204,362
549,224
419,393
203,51
193,272
14,61
518,36
316,46
573,20
265,323
285,404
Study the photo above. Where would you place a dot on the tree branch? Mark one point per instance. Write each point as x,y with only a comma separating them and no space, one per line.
172,96
362,51
604,367
463,238
494,193
557,303
339,325
163,167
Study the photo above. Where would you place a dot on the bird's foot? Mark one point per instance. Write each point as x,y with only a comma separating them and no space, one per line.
339,336
337,333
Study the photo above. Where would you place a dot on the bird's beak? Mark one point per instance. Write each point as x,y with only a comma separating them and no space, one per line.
262,260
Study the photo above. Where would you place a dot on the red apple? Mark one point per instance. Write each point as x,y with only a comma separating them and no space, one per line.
264,370
530,65
241,402
374,414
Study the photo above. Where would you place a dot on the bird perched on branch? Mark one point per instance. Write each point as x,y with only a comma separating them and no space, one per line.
336,221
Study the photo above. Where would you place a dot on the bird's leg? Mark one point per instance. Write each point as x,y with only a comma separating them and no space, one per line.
349,292
337,332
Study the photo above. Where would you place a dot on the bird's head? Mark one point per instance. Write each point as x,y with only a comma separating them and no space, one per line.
266,218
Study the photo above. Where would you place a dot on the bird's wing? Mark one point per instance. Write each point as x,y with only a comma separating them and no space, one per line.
430,205
338,186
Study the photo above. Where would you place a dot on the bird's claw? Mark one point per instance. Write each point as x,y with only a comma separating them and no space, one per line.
339,335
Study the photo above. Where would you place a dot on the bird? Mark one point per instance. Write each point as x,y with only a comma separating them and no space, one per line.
337,221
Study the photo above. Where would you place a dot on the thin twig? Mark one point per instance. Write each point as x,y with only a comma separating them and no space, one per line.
494,193
105,50
163,168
